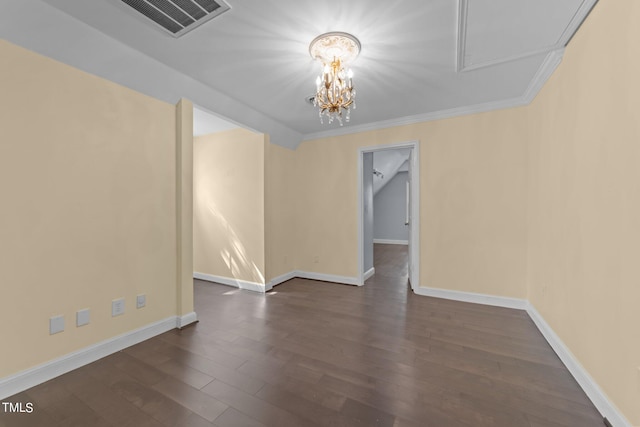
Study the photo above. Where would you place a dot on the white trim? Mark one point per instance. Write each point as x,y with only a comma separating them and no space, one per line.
461,66
414,170
512,58
230,281
257,287
369,273
581,375
587,383
414,227
186,320
546,69
280,279
345,280
39,374
472,297
391,242
360,197
463,12
418,118
581,14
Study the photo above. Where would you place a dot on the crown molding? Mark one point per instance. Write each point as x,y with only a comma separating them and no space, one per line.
408,120
463,7
546,69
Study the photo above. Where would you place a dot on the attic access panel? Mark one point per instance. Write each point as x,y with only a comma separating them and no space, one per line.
177,17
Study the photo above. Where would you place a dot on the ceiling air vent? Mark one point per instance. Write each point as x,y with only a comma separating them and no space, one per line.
178,16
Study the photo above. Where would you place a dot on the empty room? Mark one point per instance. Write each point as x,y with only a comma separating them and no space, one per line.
295,213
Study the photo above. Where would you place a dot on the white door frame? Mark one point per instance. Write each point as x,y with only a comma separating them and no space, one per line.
414,238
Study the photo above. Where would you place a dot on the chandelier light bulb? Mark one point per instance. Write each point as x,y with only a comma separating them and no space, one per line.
335,94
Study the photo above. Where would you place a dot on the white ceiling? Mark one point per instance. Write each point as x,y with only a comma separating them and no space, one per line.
389,163
420,59
205,123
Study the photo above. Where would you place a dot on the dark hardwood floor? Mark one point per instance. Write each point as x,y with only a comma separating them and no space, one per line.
320,354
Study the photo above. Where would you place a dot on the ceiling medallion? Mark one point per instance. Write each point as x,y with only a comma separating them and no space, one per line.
335,95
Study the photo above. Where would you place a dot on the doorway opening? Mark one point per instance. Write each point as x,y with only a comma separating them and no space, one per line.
399,224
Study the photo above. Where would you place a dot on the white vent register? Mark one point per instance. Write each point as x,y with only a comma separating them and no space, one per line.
178,17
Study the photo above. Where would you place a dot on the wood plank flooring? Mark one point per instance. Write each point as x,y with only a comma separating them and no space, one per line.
319,354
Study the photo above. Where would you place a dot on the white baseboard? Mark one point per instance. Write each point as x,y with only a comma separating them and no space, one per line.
369,273
229,281
258,287
280,279
345,280
185,320
586,382
497,301
391,242
39,374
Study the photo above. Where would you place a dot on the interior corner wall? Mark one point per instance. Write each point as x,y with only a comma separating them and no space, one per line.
472,205
280,219
325,185
87,180
229,205
584,201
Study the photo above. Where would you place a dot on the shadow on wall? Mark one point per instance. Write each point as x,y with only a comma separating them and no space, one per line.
228,228
233,253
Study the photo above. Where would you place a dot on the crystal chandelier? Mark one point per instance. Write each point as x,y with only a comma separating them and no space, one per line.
335,95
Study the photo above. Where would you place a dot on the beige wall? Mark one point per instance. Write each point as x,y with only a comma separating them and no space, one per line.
184,207
87,180
324,184
584,201
539,202
229,186
281,241
473,202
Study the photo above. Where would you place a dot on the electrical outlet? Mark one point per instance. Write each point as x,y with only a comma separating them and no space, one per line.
141,301
56,324
82,317
117,307
316,259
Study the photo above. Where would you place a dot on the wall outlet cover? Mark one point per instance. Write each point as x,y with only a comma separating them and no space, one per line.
82,317
56,324
141,301
117,307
